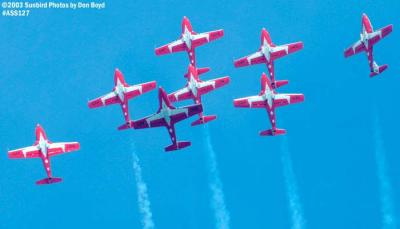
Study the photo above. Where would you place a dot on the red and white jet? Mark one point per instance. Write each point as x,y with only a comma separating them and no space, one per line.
121,93
267,53
270,100
167,115
195,88
189,40
368,38
44,149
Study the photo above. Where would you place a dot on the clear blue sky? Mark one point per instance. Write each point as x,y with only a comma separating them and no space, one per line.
55,60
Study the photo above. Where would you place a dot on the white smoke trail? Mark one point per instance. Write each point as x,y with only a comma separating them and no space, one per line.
295,207
143,197
218,200
387,207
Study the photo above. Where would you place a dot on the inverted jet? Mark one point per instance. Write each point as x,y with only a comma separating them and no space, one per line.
167,116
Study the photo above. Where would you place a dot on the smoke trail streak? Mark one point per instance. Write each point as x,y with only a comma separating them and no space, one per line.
143,197
387,208
218,200
295,207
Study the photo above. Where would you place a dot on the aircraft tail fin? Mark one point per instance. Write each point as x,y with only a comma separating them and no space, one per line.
177,146
199,71
378,70
273,132
49,180
204,119
280,83
202,70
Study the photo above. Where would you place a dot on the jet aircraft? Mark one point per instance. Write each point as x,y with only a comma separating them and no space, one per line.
269,100
189,41
268,53
167,116
44,149
122,93
368,38
195,88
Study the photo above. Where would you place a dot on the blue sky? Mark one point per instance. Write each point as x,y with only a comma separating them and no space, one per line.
55,60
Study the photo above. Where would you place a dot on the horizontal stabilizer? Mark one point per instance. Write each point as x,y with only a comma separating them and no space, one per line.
177,146
49,180
272,132
126,126
200,71
204,119
279,83
380,69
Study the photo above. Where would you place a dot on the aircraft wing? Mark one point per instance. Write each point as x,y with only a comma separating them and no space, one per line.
176,115
380,34
203,38
255,58
105,100
181,94
283,50
251,102
182,113
206,86
154,120
354,49
286,99
135,90
27,152
62,147
176,46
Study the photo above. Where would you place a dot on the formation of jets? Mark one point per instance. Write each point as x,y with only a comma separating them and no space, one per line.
268,97
168,115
